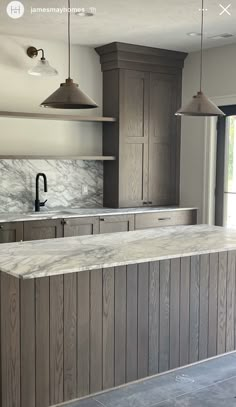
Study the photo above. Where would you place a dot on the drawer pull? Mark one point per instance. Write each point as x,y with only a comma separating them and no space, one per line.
64,222
145,203
102,219
1,227
161,219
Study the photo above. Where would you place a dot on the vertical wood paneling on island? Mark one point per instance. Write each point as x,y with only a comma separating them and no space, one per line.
221,317
194,309
10,342
28,371
42,354
184,310
108,328
56,339
204,306
154,310
143,334
213,292
174,313
67,336
164,349
120,325
230,295
70,335
132,324
96,344
83,333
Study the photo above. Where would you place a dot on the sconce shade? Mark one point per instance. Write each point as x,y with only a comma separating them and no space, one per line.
43,68
200,105
69,96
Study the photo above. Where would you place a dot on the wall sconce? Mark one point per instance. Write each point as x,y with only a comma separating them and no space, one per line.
42,68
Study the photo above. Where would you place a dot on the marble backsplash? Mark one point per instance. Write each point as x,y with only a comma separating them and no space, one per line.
67,181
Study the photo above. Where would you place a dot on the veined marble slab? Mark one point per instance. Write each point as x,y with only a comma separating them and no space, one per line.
69,255
77,213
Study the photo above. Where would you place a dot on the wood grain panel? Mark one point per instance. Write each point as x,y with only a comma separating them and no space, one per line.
10,341
28,368
83,334
108,328
42,342
120,325
194,310
154,309
143,337
56,340
204,306
230,295
164,354
221,317
213,292
184,310
174,313
70,335
96,348
132,324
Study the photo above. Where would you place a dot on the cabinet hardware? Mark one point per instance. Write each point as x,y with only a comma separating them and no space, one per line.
145,203
150,203
64,222
164,219
102,219
1,227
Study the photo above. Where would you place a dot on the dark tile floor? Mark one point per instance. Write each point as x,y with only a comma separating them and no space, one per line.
208,384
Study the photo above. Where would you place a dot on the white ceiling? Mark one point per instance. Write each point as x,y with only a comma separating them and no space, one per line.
156,23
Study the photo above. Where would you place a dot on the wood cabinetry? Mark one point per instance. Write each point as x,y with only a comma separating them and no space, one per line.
142,88
43,229
81,226
11,232
119,223
165,218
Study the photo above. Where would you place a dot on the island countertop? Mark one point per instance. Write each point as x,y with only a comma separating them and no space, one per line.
43,258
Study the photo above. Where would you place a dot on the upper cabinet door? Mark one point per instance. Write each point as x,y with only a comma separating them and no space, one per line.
133,151
164,133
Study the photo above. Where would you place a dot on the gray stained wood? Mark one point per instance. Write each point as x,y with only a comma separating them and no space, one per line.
118,223
142,88
11,232
68,336
43,229
81,226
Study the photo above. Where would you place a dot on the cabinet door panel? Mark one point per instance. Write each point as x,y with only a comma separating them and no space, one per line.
11,232
43,229
163,139
112,224
81,226
133,152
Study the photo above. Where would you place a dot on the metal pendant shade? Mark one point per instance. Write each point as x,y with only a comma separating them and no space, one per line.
69,95
200,104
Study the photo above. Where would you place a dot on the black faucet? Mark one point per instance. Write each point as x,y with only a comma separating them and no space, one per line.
38,204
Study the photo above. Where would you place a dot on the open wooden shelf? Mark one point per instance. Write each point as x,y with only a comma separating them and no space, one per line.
64,117
58,157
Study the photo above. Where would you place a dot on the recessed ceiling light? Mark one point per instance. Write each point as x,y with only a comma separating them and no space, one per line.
194,34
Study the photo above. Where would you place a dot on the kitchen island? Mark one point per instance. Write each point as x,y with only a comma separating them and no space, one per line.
83,314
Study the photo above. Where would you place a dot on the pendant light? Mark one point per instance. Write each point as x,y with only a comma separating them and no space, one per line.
200,105
68,95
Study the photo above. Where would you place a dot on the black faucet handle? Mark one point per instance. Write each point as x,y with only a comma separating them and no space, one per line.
43,203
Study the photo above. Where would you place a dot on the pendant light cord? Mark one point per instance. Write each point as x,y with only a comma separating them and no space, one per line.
69,46
201,62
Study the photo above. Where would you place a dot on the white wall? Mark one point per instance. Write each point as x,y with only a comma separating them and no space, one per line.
219,83
20,91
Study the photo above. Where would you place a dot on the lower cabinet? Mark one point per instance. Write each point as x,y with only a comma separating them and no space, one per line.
81,226
165,218
119,223
11,232
43,229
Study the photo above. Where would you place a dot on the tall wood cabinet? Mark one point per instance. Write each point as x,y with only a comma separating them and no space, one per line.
142,88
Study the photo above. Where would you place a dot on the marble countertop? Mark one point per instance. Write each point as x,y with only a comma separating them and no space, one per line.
75,213
73,254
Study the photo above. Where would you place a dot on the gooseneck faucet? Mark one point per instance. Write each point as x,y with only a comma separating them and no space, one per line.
38,204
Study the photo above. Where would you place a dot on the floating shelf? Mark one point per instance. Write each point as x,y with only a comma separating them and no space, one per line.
58,157
64,117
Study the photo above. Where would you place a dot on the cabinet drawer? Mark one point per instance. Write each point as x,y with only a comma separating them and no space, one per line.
168,218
